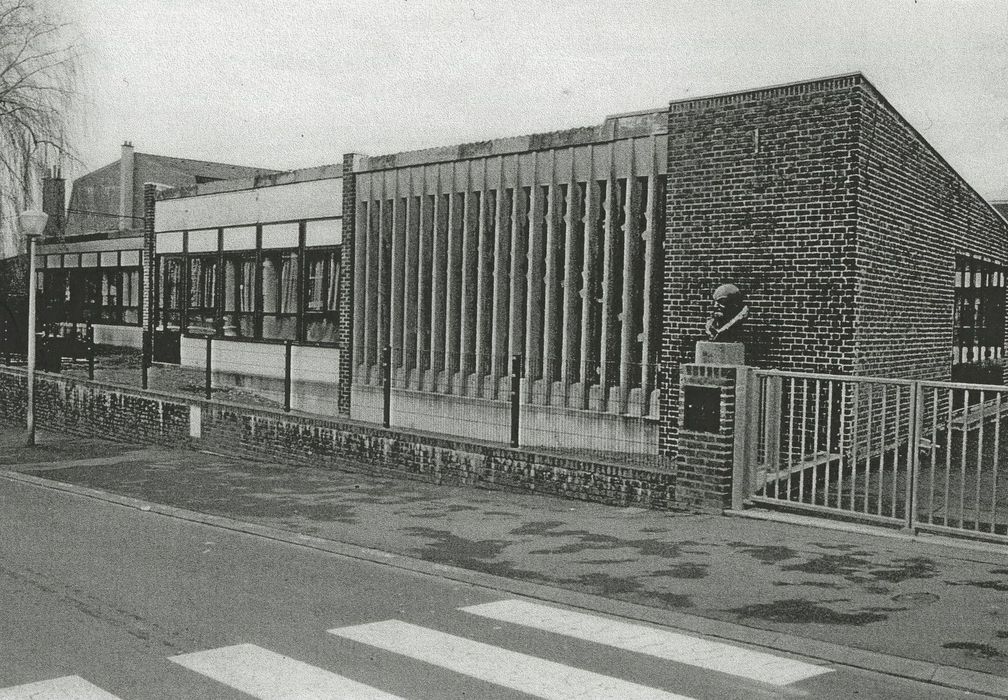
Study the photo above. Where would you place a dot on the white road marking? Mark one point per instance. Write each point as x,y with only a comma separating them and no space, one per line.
264,674
65,688
511,669
695,651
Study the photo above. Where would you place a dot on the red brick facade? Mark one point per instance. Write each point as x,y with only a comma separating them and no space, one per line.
838,221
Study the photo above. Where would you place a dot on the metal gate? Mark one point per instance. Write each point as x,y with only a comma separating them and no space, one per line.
919,455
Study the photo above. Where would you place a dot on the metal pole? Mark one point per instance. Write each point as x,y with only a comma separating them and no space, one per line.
209,369
145,360
287,376
387,386
90,351
516,368
30,418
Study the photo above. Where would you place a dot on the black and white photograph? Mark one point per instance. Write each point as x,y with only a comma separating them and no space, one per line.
564,349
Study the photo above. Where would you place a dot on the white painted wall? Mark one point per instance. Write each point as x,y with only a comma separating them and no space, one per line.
259,367
294,201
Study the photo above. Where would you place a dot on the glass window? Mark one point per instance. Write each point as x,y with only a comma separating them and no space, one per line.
279,295
239,295
170,301
111,281
321,295
131,295
202,316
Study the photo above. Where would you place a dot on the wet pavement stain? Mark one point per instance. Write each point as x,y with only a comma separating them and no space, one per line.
917,598
768,554
536,527
1001,586
976,650
812,584
687,570
606,562
999,571
802,611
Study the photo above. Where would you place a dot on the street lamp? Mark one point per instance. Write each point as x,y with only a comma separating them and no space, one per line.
33,222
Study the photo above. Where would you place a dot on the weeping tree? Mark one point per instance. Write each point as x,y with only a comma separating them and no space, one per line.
38,60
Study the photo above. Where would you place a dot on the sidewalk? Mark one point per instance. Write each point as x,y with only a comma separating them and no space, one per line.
915,599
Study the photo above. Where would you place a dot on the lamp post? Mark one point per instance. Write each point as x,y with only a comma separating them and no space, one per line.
32,224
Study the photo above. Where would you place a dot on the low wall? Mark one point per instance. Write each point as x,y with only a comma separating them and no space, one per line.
556,427
94,409
260,367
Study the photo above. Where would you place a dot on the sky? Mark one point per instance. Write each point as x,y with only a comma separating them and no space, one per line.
297,83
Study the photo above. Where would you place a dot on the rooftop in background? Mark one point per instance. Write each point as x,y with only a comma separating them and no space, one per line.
108,202
1001,208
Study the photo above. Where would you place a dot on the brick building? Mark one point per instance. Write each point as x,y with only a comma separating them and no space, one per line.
592,253
90,254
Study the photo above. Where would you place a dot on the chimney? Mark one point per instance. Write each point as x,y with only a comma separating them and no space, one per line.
54,203
126,169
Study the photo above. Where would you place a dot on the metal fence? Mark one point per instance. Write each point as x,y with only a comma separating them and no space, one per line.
922,455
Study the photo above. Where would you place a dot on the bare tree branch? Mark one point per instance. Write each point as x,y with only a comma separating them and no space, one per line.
37,92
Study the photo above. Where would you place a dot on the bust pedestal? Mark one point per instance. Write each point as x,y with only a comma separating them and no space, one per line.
724,354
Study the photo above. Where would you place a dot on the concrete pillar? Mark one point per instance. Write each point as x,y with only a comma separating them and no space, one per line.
651,240
424,284
599,394
409,316
518,310
456,211
359,247
439,273
534,289
484,288
628,316
499,348
398,283
592,250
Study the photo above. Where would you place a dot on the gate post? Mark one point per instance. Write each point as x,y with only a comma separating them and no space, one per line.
717,429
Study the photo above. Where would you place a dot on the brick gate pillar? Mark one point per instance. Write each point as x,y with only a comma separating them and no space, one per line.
715,445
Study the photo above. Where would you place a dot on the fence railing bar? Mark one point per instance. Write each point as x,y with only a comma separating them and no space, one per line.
868,457
997,455
804,440
842,377
934,452
815,443
948,459
843,447
962,465
829,441
979,466
915,408
883,441
896,443
854,441
791,437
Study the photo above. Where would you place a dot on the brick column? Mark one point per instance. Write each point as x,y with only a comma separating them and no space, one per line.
714,435
344,335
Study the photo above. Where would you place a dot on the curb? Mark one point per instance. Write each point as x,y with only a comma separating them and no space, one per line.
922,671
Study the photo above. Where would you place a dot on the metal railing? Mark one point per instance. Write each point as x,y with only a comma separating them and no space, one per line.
920,455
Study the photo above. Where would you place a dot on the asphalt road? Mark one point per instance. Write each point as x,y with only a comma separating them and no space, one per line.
100,600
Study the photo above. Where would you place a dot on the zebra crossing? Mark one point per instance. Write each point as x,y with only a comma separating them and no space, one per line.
261,673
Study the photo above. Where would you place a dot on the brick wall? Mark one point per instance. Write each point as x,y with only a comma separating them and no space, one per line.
94,409
914,214
762,193
704,459
344,338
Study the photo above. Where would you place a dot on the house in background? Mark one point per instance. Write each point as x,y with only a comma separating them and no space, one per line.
90,259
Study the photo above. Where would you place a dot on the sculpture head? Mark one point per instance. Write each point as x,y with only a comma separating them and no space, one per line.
728,313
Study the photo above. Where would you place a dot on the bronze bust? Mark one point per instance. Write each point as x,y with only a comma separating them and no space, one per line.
729,312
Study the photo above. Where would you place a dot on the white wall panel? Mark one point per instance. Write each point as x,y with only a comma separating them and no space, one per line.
301,200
